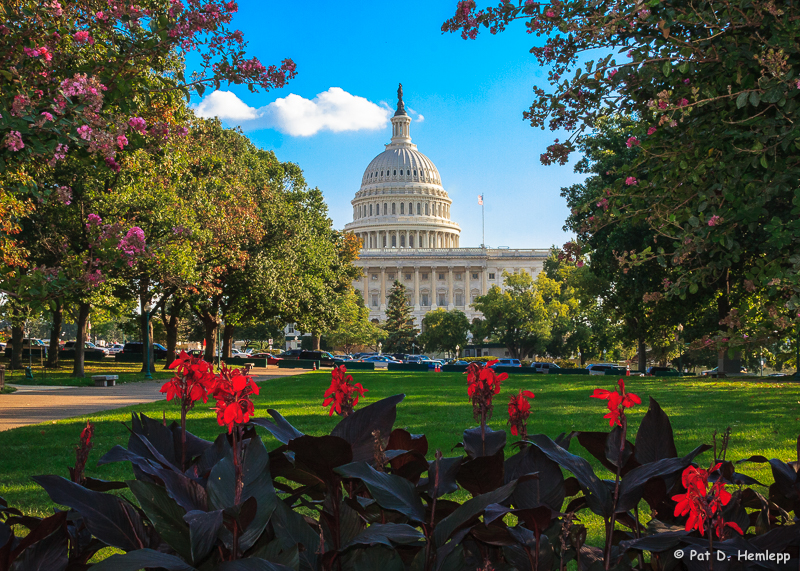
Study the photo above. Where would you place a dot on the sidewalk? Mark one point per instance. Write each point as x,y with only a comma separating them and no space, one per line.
32,404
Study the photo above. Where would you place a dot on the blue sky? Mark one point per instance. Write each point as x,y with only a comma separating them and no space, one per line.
470,94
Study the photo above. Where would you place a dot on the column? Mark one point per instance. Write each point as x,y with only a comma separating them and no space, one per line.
434,288
366,287
449,287
416,288
383,288
417,243
484,279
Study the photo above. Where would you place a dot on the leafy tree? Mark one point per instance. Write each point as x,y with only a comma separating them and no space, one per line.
717,94
521,315
443,330
399,325
354,328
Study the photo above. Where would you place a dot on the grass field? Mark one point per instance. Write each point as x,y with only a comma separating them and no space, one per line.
127,372
764,417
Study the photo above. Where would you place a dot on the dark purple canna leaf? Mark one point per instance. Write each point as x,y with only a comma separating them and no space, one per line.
109,518
358,428
482,474
391,492
140,559
469,510
281,429
548,489
48,553
388,534
448,469
251,564
165,515
474,445
203,530
654,439
318,456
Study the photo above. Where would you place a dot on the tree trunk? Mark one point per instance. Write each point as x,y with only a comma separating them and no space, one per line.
642,354
210,324
315,340
80,340
227,340
146,331
726,364
171,323
16,346
55,335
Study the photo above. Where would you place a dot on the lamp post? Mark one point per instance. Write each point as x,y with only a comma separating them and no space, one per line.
680,346
458,349
380,347
580,362
413,347
797,356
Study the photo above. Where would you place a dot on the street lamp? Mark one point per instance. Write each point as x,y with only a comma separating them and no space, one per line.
413,347
380,346
458,347
580,362
680,346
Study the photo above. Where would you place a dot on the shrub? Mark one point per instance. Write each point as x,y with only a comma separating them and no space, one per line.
376,500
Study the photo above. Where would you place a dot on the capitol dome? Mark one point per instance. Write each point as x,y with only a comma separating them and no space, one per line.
401,202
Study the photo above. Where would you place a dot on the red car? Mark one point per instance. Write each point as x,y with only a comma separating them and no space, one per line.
271,359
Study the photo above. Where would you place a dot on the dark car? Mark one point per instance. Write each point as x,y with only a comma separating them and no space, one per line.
90,351
544,367
271,359
506,363
135,348
325,359
653,370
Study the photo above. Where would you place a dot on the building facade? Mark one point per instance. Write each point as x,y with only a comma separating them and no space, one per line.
401,213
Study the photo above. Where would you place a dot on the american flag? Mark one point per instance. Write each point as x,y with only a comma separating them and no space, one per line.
480,200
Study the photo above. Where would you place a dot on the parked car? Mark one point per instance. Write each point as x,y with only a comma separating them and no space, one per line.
135,347
291,354
600,368
544,367
91,352
378,359
713,371
271,359
29,345
236,354
507,363
459,362
115,348
651,371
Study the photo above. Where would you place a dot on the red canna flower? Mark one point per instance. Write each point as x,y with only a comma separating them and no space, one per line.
482,385
82,453
193,381
342,396
703,504
519,409
232,392
618,401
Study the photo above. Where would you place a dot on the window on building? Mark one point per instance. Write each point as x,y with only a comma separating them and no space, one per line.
384,241
375,277
391,277
427,209
290,328
411,241
385,207
419,209
393,208
410,208
424,276
458,276
459,299
472,299
394,241
395,173
402,240
402,208
442,300
424,300
374,300
408,277
370,210
491,276
441,276
474,276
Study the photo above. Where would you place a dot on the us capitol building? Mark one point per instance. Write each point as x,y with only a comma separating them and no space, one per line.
401,213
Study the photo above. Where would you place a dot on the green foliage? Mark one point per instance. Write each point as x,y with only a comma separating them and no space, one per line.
399,325
354,328
444,330
521,315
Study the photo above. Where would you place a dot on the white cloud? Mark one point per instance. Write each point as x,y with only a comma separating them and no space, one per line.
332,110
420,117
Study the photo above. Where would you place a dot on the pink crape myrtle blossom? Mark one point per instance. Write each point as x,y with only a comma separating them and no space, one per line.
85,132
14,141
132,244
64,195
83,37
47,116
631,181
714,220
137,124
652,130
94,278
122,140
632,142
93,220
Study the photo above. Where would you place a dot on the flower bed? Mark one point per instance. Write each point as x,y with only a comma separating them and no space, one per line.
379,501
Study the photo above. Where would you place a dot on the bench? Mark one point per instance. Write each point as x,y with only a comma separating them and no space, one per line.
105,380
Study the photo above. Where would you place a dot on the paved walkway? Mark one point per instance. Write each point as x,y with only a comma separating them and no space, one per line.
32,404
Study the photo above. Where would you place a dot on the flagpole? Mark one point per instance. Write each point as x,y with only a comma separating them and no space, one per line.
483,220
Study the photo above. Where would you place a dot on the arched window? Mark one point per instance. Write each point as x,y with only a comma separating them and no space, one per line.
385,206
381,173
410,208
415,173
394,241
402,208
393,208
427,209
395,173
419,209
402,241
370,210
411,241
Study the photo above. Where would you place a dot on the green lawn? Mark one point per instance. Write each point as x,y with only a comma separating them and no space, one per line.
127,372
763,416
